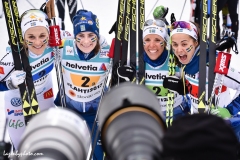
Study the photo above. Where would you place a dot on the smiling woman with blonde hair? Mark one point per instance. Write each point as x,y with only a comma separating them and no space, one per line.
35,32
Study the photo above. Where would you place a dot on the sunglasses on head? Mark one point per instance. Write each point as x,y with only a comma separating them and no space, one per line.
158,23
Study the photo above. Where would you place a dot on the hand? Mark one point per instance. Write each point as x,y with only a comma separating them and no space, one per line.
226,43
221,112
173,19
114,28
160,12
175,84
126,73
17,77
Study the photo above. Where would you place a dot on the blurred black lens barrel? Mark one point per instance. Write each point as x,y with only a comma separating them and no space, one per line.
131,123
57,133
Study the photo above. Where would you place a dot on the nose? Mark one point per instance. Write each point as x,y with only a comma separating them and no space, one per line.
85,40
151,44
38,41
178,49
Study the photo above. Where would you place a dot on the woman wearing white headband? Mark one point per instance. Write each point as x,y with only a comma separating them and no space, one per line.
185,45
35,31
157,59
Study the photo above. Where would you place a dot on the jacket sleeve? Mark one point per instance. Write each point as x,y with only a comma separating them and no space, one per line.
3,86
231,80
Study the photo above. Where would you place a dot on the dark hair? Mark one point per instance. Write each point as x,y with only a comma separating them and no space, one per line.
97,48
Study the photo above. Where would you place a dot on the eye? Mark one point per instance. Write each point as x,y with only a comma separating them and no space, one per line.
91,35
81,36
42,36
174,45
31,37
184,44
157,40
147,40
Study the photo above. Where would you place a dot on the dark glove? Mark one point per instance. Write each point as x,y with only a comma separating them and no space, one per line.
173,19
44,9
114,28
175,84
225,43
126,73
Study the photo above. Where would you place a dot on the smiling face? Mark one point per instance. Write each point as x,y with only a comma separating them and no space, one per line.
183,47
86,41
153,45
36,39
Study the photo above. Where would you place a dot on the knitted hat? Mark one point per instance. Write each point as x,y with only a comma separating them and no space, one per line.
85,21
200,137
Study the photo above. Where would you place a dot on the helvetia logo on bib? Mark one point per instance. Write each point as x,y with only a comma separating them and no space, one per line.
43,61
77,66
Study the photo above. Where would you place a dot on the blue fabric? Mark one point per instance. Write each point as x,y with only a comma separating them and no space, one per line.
42,73
85,21
3,86
234,106
235,124
181,111
159,61
193,66
81,54
98,151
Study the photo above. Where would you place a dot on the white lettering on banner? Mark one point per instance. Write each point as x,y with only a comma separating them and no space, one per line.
158,76
170,80
222,63
40,63
57,39
76,66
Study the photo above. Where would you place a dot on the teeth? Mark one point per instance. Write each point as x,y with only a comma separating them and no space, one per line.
153,51
37,47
